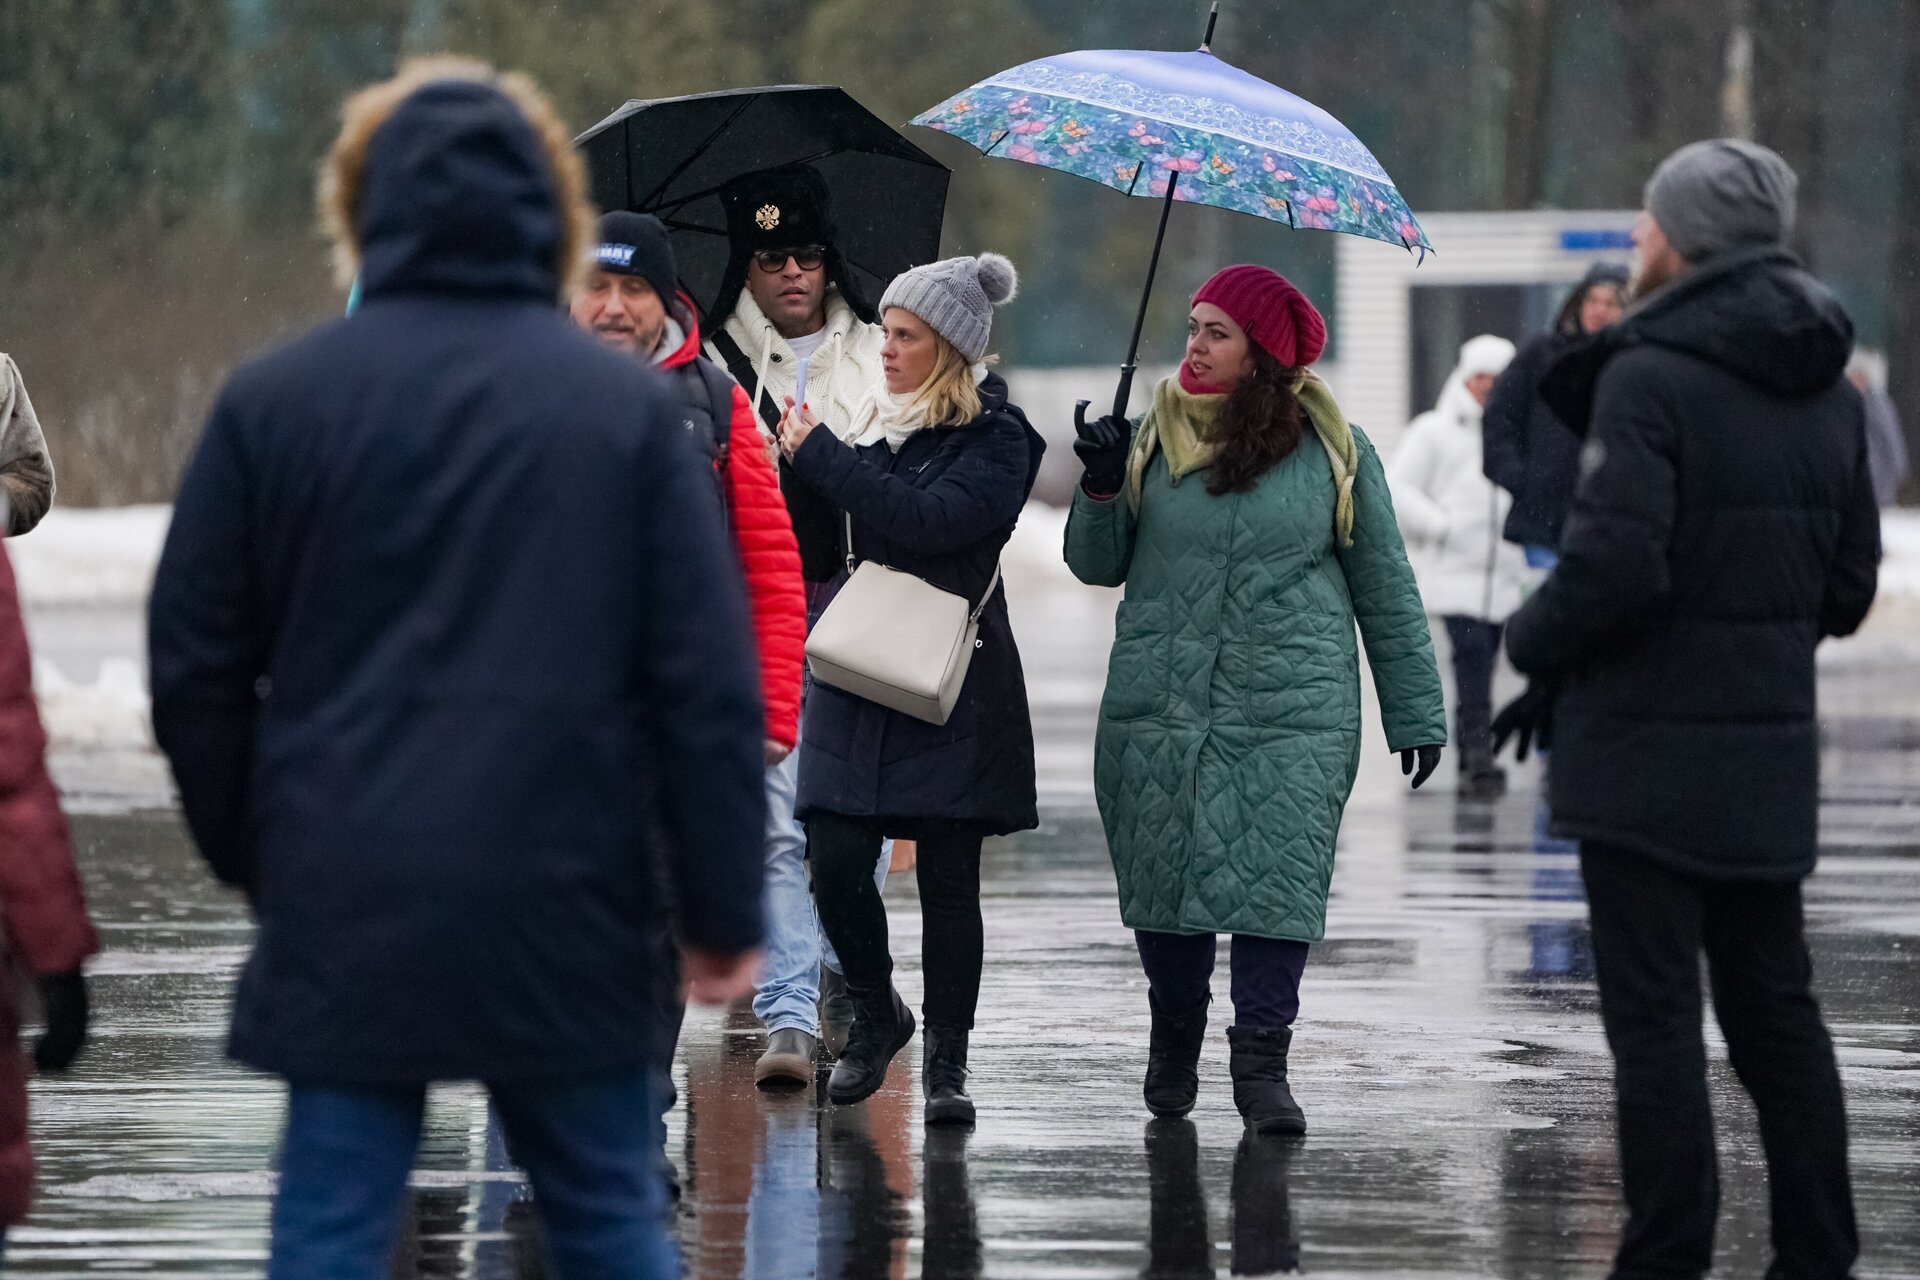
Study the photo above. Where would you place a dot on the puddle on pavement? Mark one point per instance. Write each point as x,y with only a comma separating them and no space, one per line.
1449,1057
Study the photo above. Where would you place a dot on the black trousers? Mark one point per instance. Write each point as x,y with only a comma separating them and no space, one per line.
1476,650
843,851
1266,973
1650,926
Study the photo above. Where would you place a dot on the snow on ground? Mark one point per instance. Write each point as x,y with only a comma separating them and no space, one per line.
1900,559
81,562
103,556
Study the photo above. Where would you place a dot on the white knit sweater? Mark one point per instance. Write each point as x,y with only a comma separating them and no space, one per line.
842,373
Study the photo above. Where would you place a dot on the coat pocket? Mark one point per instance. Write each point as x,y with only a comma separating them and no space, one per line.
1301,671
1140,671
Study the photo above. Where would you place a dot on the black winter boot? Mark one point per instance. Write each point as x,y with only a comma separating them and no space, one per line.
1259,1066
836,1011
943,1076
1173,1059
882,1025
1480,777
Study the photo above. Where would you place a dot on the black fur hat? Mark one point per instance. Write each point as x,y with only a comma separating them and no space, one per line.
784,208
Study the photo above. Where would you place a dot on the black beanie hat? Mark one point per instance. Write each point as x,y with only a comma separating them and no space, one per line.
636,244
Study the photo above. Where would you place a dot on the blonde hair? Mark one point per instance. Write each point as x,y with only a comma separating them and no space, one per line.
950,397
342,183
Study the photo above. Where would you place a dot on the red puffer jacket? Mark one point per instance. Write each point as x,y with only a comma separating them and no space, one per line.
768,553
41,906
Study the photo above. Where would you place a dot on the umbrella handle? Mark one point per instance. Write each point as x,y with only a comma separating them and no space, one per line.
1080,408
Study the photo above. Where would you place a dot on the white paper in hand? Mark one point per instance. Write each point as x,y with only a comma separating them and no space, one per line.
800,384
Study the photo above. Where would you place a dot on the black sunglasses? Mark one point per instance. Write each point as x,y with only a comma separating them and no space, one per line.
807,257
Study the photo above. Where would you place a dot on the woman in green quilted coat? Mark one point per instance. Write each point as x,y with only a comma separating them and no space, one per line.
1251,527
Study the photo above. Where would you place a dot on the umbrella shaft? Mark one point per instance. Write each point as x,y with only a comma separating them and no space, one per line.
1140,321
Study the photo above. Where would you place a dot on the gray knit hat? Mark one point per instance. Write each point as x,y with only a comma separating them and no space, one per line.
956,298
1713,197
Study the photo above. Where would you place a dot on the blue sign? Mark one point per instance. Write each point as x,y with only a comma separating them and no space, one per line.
1595,241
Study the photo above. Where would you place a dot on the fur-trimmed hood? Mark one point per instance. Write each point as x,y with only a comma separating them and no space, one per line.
451,177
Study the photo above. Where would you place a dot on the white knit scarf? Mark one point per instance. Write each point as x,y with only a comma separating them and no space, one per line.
895,419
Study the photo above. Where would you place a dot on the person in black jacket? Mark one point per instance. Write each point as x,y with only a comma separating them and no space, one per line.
1724,523
449,649
939,468
1526,449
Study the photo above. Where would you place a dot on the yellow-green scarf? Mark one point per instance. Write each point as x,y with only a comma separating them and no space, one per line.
1181,424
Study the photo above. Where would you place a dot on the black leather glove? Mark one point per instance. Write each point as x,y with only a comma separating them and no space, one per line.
1528,717
63,998
1420,762
1102,447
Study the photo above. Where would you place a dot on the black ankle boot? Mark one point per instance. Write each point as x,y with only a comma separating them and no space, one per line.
943,1075
1173,1059
882,1025
1481,778
1259,1065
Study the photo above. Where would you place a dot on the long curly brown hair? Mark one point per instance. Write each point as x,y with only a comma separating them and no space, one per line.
1260,424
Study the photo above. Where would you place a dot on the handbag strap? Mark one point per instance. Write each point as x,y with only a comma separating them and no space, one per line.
993,584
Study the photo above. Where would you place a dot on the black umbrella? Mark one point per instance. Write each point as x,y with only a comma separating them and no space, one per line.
670,157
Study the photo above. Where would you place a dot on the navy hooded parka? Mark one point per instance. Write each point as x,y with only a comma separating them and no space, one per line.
942,507
449,650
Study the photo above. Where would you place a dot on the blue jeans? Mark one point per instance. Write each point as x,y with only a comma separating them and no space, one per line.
587,1146
788,996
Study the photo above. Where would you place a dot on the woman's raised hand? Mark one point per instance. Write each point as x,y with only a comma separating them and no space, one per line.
796,424
1102,448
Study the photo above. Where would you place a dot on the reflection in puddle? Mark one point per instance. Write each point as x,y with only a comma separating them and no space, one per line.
1262,1241
1451,1058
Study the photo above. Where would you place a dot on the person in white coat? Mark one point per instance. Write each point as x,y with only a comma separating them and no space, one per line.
1469,576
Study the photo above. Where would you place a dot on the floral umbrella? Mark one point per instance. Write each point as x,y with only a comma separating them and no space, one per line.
1182,126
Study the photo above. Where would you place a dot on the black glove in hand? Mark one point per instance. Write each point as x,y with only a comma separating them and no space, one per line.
63,997
1528,717
1420,762
1102,447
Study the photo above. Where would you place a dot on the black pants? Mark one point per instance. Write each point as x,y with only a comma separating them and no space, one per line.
1650,925
1266,974
843,851
1476,650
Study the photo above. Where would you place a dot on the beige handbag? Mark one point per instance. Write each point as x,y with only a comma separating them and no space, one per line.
897,640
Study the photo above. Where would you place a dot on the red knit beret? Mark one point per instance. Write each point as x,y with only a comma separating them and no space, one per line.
1277,316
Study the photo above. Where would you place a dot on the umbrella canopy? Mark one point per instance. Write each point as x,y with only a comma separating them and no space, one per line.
1143,121
671,156
1140,121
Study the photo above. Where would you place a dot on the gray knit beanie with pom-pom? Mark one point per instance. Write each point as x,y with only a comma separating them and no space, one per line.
956,298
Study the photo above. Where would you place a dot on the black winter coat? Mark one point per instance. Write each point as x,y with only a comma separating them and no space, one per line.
1724,524
1527,450
942,508
447,626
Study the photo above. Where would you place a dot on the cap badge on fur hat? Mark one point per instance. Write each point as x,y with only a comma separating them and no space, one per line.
767,217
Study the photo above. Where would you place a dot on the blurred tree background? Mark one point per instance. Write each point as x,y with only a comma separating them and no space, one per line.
157,156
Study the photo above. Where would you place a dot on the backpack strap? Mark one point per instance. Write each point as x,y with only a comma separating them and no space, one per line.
742,370
720,403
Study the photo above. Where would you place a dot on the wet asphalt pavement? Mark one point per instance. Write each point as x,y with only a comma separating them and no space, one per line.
1449,1057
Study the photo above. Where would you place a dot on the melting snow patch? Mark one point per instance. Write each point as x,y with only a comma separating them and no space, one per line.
98,556
110,712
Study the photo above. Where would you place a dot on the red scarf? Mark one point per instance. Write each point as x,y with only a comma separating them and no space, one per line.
1191,384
